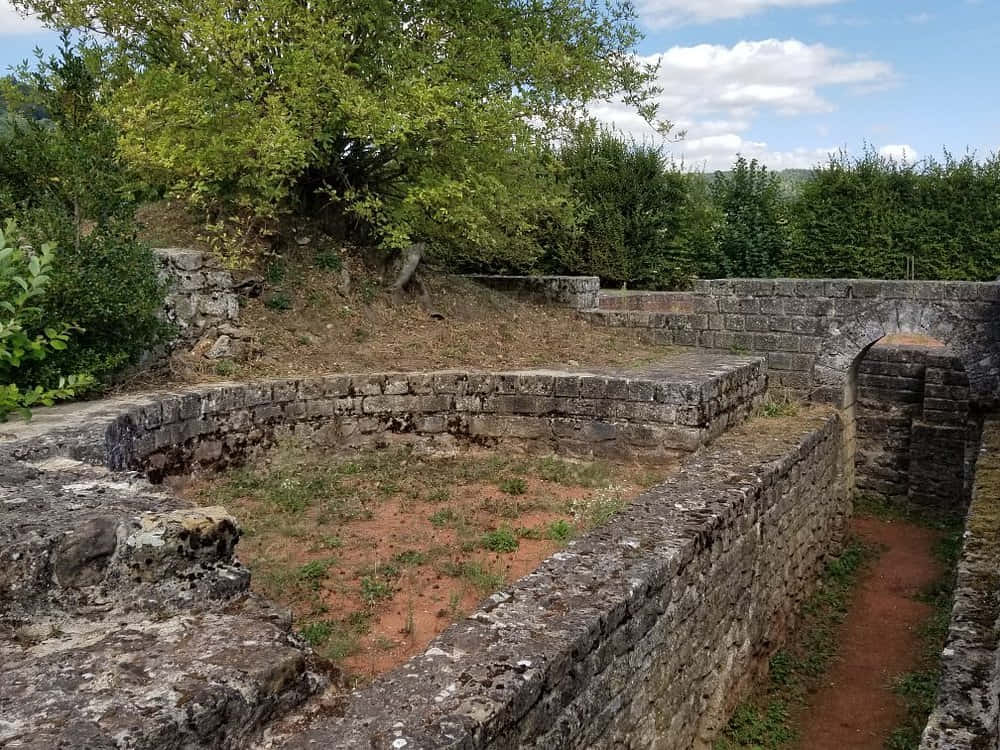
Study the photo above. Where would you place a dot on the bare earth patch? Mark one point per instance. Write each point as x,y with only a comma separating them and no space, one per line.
377,552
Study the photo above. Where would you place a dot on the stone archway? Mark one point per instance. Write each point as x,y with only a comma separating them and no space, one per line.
845,341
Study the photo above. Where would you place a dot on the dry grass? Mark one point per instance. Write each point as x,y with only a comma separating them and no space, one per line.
377,551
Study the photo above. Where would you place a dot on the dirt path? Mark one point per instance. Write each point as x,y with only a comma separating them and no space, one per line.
855,707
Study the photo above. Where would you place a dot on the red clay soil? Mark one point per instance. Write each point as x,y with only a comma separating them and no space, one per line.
855,708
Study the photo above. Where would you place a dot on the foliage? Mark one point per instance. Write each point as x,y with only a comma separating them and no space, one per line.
871,216
500,540
631,213
24,336
397,122
61,179
751,237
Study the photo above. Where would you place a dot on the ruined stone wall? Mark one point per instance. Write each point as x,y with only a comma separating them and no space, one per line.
202,304
652,414
641,635
916,437
890,395
811,330
577,292
967,713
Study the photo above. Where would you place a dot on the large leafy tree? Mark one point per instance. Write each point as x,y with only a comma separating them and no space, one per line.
403,122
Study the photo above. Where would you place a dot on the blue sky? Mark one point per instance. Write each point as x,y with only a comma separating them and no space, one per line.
788,81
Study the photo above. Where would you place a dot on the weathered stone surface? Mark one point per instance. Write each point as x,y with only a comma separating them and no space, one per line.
967,713
827,323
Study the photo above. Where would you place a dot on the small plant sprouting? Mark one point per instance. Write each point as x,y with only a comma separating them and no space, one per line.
500,540
313,572
329,260
279,301
375,589
514,486
560,530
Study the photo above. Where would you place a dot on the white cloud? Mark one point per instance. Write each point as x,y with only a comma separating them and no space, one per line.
716,93
13,22
900,152
660,13
919,17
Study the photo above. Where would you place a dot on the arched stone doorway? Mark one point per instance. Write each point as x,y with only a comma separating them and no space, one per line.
915,430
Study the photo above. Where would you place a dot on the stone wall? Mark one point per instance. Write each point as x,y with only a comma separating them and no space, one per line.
118,607
967,713
890,395
643,634
202,304
577,292
653,414
916,438
812,330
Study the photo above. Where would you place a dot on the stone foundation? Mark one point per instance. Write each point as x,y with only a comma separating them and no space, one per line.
126,621
916,436
577,292
644,634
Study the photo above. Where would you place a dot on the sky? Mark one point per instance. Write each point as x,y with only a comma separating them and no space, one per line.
790,81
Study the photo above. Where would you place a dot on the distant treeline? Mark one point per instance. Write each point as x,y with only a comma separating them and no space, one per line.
646,223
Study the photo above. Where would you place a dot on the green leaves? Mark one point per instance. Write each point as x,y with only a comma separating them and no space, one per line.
397,122
27,271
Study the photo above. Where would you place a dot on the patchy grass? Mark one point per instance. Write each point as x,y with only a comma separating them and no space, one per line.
765,721
918,688
377,551
309,321
778,403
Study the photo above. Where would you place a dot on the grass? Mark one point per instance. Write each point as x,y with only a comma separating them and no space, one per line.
918,688
500,540
395,533
777,404
765,721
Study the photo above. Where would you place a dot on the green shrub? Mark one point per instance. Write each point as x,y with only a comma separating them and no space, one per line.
631,210
752,235
60,177
25,335
500,540
873,216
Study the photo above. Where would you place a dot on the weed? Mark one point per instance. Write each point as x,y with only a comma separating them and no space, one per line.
313,572
483,580
317,633
275,272
560,530
754,727
225,367
441,518
410,557
374,590
440,495
329,260
780,404
500,540
574,473
597,509
454,604
279,301
513,486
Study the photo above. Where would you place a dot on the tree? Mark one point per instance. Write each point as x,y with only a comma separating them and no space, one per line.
61,179
751,237
631,210
396,122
